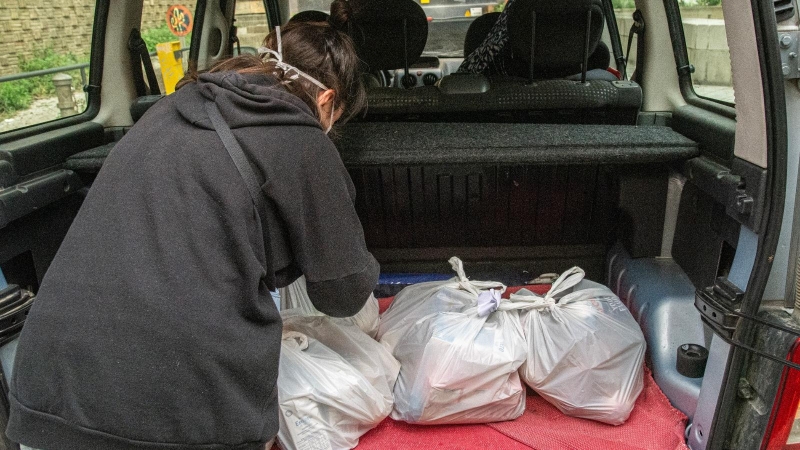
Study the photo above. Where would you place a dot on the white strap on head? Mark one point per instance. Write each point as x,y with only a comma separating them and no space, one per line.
277,58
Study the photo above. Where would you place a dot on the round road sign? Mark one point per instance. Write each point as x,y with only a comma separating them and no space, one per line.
179,20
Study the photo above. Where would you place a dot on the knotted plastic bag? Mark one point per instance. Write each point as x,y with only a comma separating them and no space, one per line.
334,384
585,349
459,357
295,297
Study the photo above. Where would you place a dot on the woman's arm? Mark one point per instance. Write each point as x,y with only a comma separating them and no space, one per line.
315,196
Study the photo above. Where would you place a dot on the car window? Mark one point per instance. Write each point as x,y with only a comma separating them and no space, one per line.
623,11
447,21
44,62
707,46
251,25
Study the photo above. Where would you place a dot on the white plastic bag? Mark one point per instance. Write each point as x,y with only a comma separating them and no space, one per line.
295,296
585,349
330,395
457,365
364,353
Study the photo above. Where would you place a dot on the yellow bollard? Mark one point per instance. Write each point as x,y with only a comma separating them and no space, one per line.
169,56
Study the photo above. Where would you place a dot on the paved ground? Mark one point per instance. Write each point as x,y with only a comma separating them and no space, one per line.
724,93
42,110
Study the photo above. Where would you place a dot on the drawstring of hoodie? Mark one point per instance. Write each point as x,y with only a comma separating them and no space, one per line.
290,71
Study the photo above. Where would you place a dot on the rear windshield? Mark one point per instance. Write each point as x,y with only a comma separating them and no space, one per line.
448,21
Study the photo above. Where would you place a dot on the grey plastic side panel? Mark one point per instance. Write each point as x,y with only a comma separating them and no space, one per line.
674,191
661,298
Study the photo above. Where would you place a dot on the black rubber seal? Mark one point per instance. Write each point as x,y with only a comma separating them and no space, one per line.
692,360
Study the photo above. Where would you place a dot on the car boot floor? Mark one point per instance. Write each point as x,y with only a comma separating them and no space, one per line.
654,425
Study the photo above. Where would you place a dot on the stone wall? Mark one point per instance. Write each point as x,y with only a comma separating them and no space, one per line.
63,25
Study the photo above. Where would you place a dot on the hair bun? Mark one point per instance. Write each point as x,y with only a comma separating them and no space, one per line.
341,13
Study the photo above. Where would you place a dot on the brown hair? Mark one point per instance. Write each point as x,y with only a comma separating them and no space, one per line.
316,48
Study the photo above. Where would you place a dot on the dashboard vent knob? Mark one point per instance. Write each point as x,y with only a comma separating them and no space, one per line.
409,81
429,79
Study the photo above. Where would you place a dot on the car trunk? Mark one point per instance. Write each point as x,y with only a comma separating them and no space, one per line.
645,209
518,200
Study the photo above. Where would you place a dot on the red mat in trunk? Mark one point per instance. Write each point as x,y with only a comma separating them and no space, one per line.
653,425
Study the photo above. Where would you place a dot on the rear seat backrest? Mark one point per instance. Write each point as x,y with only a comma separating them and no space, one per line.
508,100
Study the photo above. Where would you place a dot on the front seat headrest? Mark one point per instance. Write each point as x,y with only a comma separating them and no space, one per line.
600,58
560,33
310,15
478,31
381,41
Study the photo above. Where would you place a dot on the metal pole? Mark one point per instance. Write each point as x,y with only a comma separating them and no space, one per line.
586,46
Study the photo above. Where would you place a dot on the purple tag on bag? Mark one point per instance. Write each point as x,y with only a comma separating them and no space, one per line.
488,302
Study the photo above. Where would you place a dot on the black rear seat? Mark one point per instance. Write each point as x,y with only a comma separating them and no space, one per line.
567,32
510,100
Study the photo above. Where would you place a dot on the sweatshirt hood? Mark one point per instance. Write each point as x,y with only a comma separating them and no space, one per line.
244,100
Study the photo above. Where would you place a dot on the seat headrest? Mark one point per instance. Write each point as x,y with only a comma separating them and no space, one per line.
310,15
478,31
560,34
377,30
600,58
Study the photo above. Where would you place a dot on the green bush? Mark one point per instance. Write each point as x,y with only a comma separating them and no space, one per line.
14,95
155,36
623,4
47,58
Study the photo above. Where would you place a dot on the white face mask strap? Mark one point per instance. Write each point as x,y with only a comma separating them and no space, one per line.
277,58
280,47
330,124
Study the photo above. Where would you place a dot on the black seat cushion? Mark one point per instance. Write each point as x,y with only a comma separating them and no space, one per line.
142,104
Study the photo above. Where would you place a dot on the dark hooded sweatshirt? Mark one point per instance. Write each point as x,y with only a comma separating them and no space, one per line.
154,327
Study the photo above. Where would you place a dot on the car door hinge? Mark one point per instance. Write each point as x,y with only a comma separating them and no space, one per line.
718,305
789,42
740,187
